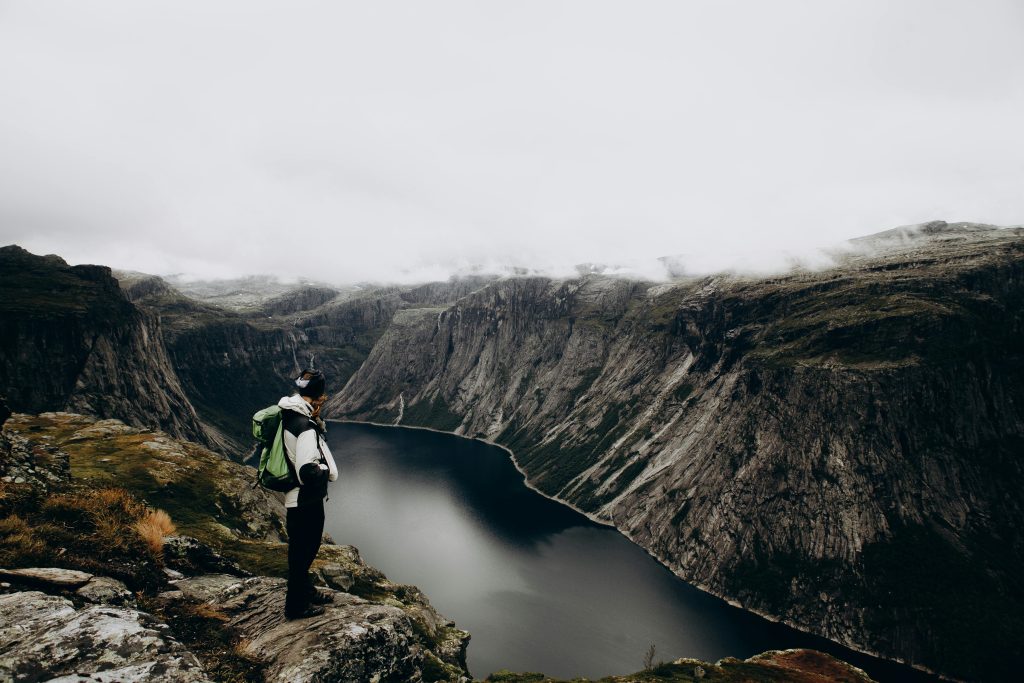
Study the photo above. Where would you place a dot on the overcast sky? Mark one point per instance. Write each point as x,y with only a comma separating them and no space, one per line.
394,140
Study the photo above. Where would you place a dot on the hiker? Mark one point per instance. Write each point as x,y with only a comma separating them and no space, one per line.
313,463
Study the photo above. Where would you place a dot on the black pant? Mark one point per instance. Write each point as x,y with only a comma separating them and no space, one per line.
305,526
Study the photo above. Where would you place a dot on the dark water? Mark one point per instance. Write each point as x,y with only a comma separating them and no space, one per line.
539,586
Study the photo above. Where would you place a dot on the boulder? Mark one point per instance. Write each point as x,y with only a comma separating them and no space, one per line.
336,576
44,637
106,591
342,568
190,556
812,662
354,640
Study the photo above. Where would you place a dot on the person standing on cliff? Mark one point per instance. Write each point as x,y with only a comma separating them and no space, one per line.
311,458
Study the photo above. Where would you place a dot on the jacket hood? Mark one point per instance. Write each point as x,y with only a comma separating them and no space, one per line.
296,403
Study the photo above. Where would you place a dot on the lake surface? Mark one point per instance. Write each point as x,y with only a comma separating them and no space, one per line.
539,586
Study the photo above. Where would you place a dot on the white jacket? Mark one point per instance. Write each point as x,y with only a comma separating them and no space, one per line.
304,449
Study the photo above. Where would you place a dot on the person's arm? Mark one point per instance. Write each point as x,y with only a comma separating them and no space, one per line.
332,467
307,459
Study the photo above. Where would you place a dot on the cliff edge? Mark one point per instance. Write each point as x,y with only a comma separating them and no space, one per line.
839,449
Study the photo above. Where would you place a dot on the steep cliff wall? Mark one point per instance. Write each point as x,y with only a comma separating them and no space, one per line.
71,340
231,364
838,449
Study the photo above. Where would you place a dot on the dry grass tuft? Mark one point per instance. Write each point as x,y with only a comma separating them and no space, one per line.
153,527
89,508
19,543
93,530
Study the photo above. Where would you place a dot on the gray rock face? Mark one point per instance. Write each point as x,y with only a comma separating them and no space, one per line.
106,591
342,568
302,299
98,589
41,465
353,640
231,361
337,577
808,446
45,638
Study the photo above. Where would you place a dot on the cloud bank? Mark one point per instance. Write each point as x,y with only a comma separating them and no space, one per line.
366,141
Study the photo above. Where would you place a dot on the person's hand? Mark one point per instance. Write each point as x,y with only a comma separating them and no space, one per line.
312,473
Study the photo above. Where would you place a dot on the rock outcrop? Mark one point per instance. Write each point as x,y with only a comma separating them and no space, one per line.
48,638
191,556
39,464
444,644
838,449
101,590
354,640
301,299
71,340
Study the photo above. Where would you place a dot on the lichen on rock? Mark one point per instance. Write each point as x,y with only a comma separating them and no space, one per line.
47,638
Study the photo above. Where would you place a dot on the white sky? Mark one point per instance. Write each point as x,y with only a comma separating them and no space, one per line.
396,140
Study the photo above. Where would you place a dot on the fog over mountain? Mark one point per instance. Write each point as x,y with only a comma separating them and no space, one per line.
343,142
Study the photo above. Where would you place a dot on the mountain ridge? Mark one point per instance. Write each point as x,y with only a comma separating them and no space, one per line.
802,444
823,400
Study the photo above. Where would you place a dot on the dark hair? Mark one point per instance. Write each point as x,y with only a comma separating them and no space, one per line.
311,383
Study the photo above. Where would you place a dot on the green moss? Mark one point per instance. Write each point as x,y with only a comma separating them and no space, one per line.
857,324
256,557
434,669
433,413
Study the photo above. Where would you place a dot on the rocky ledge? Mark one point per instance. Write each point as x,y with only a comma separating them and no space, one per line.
59,625
205,601
354,640
48,638
69,625
98,600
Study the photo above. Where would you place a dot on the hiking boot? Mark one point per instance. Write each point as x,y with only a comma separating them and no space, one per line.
319,597
310,611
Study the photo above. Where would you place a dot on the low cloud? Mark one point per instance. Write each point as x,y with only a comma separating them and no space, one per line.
347,142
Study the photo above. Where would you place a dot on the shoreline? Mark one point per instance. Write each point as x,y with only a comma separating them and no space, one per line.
597,520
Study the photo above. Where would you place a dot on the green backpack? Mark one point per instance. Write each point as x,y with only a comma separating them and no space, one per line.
275,471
